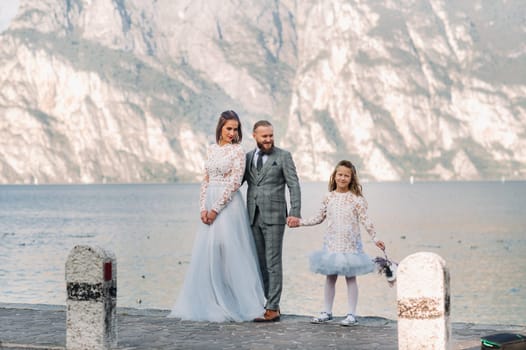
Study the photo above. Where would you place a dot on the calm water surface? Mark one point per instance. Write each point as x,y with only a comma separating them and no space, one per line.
479,228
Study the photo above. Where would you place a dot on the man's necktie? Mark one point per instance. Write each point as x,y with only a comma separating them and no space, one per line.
259,163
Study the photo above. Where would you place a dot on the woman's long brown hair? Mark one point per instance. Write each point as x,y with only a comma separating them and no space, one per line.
229,115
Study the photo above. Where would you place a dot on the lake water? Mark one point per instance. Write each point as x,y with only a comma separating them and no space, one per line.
479,228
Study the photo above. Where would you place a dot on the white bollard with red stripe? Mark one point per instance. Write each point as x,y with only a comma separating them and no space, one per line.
91,278
423,303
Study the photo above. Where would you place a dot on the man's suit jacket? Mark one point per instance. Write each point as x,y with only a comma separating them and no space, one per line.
266,189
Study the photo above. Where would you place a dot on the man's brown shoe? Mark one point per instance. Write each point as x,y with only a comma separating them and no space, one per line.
269,316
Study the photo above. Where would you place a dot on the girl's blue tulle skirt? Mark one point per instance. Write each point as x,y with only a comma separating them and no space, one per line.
344,264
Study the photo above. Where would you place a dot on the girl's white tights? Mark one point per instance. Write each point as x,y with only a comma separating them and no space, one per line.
352,294
330,290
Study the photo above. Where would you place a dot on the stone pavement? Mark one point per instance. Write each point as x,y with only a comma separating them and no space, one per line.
25,326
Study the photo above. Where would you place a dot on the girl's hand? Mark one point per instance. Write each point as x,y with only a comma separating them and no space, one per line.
293,221
380,244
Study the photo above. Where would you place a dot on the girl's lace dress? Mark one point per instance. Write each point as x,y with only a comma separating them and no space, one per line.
342,252
223,280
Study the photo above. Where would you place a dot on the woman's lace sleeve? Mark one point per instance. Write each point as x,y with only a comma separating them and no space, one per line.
319,217
204,187
361,208
234,177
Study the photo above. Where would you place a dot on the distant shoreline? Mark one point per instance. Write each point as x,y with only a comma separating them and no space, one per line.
414,181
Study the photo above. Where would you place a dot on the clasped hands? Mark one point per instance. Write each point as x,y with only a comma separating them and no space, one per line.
208,217
293,221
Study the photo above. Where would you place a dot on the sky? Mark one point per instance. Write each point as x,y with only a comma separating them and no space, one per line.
8,10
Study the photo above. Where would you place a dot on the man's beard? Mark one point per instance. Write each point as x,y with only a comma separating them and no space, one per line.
265,150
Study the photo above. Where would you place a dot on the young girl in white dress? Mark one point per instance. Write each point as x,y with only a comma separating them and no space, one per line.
345,209
223,281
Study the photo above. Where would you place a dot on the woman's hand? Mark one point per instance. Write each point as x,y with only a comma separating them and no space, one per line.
380,244
211,216
204,219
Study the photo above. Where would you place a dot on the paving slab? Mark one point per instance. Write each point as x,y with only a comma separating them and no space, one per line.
25,326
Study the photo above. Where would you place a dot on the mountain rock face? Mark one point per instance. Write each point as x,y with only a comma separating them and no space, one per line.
130,90
430,89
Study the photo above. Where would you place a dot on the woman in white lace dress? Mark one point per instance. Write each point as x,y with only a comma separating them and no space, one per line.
223,281
345,209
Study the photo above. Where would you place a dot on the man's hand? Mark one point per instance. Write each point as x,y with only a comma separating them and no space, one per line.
293,221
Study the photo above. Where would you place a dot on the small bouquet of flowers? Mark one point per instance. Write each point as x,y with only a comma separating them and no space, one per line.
386,267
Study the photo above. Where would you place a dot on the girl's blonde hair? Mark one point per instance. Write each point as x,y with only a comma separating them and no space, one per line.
354,185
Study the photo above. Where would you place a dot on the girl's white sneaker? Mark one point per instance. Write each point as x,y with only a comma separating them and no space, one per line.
324,317
350,320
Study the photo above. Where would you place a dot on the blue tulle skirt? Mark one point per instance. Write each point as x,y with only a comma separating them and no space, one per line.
344,264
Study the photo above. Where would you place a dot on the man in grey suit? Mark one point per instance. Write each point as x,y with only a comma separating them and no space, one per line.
268,169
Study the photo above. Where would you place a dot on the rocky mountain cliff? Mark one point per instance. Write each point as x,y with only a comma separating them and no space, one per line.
130,90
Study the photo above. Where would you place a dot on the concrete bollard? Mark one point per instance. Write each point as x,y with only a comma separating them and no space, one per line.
91,278
423,303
